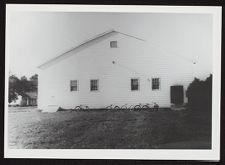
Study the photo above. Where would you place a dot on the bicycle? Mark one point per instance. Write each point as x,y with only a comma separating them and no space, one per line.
112,107
146,106
154,106
81,107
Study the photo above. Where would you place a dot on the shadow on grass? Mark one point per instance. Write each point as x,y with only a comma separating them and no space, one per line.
182,129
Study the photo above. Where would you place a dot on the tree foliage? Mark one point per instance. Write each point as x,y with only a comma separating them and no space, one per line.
199,94
33,82
21,86
13,86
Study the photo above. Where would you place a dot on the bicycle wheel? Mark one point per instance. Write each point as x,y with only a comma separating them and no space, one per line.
145,107
124,107
108,108
137,107
78,108
116,108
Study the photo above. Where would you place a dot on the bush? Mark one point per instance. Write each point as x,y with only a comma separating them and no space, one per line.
199,94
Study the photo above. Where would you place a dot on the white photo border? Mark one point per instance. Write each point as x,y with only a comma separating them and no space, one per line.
138,154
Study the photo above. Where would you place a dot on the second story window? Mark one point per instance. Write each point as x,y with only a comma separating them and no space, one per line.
73,85
113,44
134,84
94,85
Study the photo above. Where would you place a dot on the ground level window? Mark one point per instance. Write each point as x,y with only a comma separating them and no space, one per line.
134,84
73,85
155,83
94,85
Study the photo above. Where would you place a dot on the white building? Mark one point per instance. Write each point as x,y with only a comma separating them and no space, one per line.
112,68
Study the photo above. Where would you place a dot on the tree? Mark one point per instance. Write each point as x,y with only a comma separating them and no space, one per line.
21,86
24,86
34,77
33,82
199,94
13,88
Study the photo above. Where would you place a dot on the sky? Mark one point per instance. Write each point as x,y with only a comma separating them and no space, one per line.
36,37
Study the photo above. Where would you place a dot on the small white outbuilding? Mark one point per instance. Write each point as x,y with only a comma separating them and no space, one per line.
112,68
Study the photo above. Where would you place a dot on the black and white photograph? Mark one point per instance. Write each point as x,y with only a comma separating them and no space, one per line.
112,82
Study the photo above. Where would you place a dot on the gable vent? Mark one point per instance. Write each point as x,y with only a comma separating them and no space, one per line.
113,44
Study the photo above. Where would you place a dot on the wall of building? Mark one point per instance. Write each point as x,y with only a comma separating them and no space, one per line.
133,59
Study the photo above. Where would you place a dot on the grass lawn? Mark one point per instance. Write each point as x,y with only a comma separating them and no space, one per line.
165,129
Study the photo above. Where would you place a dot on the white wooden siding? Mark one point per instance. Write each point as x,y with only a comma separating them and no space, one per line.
133,58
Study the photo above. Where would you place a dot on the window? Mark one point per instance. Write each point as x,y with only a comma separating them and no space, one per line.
134,84
73,85
94,85
113,44
155,83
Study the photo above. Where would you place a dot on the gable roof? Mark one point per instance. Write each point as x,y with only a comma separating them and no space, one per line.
83,45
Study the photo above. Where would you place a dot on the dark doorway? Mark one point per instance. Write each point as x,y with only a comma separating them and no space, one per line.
177,94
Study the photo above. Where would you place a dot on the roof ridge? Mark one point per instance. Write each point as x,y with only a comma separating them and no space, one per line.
52,60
